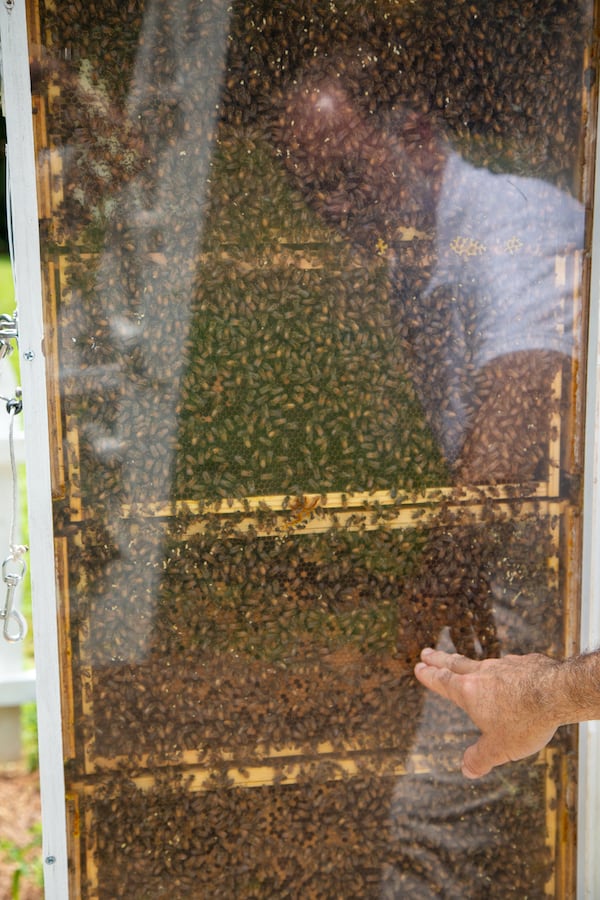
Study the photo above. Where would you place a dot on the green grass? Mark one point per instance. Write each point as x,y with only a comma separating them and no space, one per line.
7,301
7,293
25,861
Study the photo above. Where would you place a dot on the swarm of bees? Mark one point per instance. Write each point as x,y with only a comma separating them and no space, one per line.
222,341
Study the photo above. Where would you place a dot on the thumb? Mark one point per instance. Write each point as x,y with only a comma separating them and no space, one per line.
481,757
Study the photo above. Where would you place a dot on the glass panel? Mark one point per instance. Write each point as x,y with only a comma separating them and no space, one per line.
313,281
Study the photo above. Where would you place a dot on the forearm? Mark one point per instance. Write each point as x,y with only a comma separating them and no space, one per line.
576,687
508,435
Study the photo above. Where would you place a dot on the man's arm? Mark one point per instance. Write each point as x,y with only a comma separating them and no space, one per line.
507,438
517,702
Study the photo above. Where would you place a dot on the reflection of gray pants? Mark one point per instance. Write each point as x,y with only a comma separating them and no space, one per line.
462,840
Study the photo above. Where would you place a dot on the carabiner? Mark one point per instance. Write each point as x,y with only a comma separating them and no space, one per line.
12,579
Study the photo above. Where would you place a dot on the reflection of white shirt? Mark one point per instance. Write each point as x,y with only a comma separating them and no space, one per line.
499,237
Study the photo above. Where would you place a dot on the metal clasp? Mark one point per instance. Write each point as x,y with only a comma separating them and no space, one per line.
9,331
15,624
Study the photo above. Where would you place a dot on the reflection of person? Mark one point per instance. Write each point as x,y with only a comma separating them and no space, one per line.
483,304
517,702
482,295
485,320
498,238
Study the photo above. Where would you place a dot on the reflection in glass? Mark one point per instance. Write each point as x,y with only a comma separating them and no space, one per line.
316,272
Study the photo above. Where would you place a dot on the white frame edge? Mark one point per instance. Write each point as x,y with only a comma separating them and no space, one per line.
27,273
588,803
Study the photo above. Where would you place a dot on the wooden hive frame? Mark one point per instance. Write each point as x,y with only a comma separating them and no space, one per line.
311,514
281,516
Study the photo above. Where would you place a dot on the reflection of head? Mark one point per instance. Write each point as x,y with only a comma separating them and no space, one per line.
366,172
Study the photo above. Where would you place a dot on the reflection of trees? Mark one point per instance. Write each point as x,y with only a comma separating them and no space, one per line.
134,139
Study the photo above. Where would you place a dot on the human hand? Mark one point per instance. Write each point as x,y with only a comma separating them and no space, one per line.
509,699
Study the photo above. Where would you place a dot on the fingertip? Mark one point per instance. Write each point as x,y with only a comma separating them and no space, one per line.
468,770
468,773
427,651
423,674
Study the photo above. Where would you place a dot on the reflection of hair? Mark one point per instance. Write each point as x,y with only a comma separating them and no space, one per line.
361,170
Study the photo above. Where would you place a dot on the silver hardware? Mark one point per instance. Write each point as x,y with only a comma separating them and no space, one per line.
13,568
8,331
15,625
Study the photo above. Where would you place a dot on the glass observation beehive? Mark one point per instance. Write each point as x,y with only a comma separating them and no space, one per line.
314,287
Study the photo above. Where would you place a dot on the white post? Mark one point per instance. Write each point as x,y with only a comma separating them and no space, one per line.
21,160
588,858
